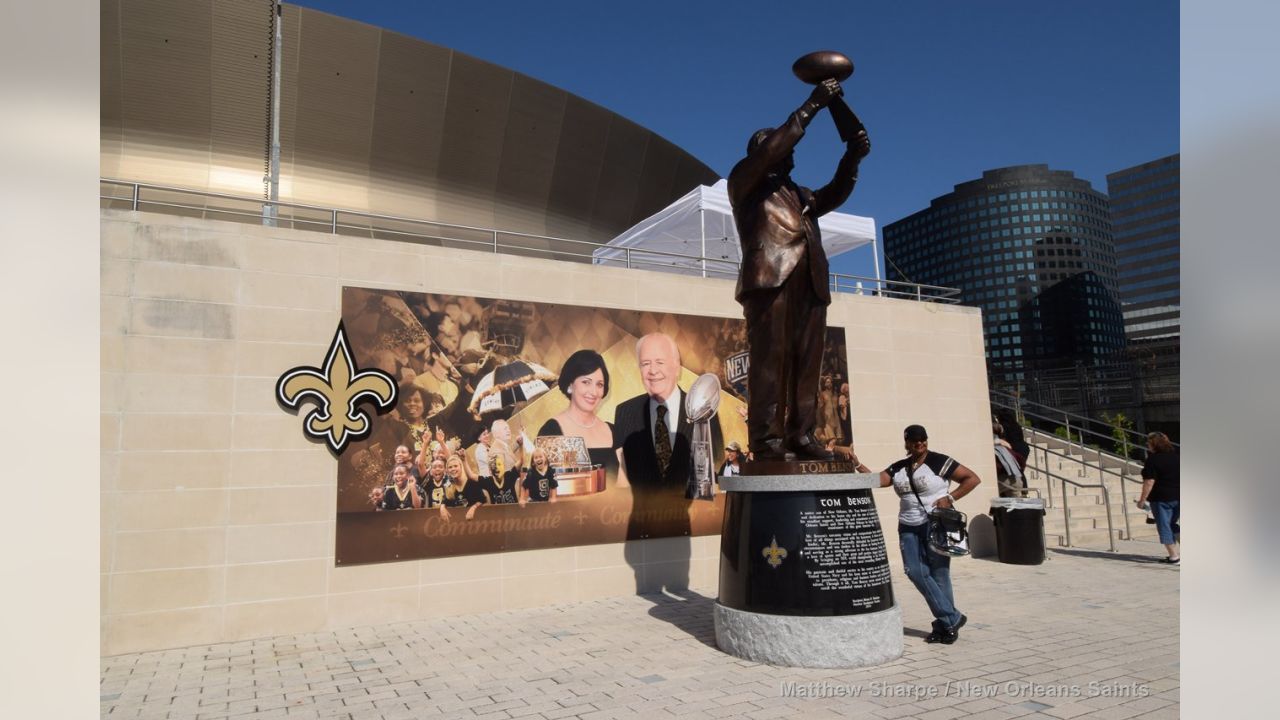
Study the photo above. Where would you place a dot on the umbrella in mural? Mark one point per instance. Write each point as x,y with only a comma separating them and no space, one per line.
514,382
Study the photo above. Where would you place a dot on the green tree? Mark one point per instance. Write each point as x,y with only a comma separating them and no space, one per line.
1121,427
1075,436
1068,435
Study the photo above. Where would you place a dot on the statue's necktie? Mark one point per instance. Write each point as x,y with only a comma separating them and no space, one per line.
662,440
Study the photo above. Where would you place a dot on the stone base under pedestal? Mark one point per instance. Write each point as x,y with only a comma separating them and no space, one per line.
841,641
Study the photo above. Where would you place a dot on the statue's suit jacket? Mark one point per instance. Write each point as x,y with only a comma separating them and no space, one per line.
777,220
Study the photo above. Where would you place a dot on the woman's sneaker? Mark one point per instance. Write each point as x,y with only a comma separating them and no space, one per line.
1171,561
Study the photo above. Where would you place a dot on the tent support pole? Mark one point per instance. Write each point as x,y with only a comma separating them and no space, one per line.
875,256
702,223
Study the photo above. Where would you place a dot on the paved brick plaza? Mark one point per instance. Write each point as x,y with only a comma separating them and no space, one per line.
1088,634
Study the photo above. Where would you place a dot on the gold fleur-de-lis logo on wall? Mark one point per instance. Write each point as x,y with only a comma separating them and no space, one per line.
336,390
773,554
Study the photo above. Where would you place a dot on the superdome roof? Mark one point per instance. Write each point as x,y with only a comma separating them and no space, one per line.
370,120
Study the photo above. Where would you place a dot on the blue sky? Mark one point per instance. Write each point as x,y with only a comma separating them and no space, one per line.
946,89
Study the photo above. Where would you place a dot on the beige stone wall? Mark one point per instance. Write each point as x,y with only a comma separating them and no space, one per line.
218,515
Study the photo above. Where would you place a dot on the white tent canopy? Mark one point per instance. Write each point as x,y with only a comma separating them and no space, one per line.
700,225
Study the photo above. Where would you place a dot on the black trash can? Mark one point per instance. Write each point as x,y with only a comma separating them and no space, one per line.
1019,530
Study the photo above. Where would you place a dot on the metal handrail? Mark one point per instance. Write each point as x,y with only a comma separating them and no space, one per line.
1124,496
630,257
1066,415
1081,427
886,288
1080,431
334,213
1066,511
1125,462
1082,450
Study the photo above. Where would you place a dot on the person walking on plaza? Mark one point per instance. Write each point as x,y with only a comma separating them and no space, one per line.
921,481
1160,488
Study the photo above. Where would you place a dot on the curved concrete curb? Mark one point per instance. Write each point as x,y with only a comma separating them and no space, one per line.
841,641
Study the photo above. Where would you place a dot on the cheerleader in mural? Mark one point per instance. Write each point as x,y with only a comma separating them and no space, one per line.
461,493
539,484
402,494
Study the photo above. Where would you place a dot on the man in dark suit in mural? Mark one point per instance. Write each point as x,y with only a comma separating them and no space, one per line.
655,432
656,438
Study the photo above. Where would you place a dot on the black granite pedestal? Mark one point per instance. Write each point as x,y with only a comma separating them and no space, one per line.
804,575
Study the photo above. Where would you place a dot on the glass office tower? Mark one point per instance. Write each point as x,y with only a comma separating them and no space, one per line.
1033,248
1145,207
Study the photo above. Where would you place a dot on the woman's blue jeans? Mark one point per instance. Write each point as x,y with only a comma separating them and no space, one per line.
929,572
1167,515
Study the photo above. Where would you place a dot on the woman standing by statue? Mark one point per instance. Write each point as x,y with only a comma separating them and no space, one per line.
922,480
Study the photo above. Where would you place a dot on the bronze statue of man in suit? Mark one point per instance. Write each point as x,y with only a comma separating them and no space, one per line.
783,285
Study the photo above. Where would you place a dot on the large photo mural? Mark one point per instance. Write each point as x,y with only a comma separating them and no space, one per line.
522,425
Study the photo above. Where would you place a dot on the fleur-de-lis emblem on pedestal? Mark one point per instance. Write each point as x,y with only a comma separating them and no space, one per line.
399,530
336,390
773,554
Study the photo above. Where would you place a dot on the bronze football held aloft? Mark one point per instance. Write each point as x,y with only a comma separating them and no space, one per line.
831,65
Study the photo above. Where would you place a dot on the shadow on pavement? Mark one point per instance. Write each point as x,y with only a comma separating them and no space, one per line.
986,558
688,611
1107,555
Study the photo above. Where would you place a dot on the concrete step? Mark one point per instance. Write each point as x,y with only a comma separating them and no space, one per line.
1143,532
1087,513
1081,475
1050,441
1085,538
1074,454
1100,511
1054,526
1131,489
1099,517
1073,470
1140,530
1082,499
1098,536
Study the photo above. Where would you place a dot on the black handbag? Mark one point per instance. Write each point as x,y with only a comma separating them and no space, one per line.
948,527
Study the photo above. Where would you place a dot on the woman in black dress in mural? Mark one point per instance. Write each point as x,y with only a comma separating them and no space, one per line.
585,381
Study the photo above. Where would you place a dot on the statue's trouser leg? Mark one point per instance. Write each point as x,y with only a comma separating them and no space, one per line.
806,338
766,317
